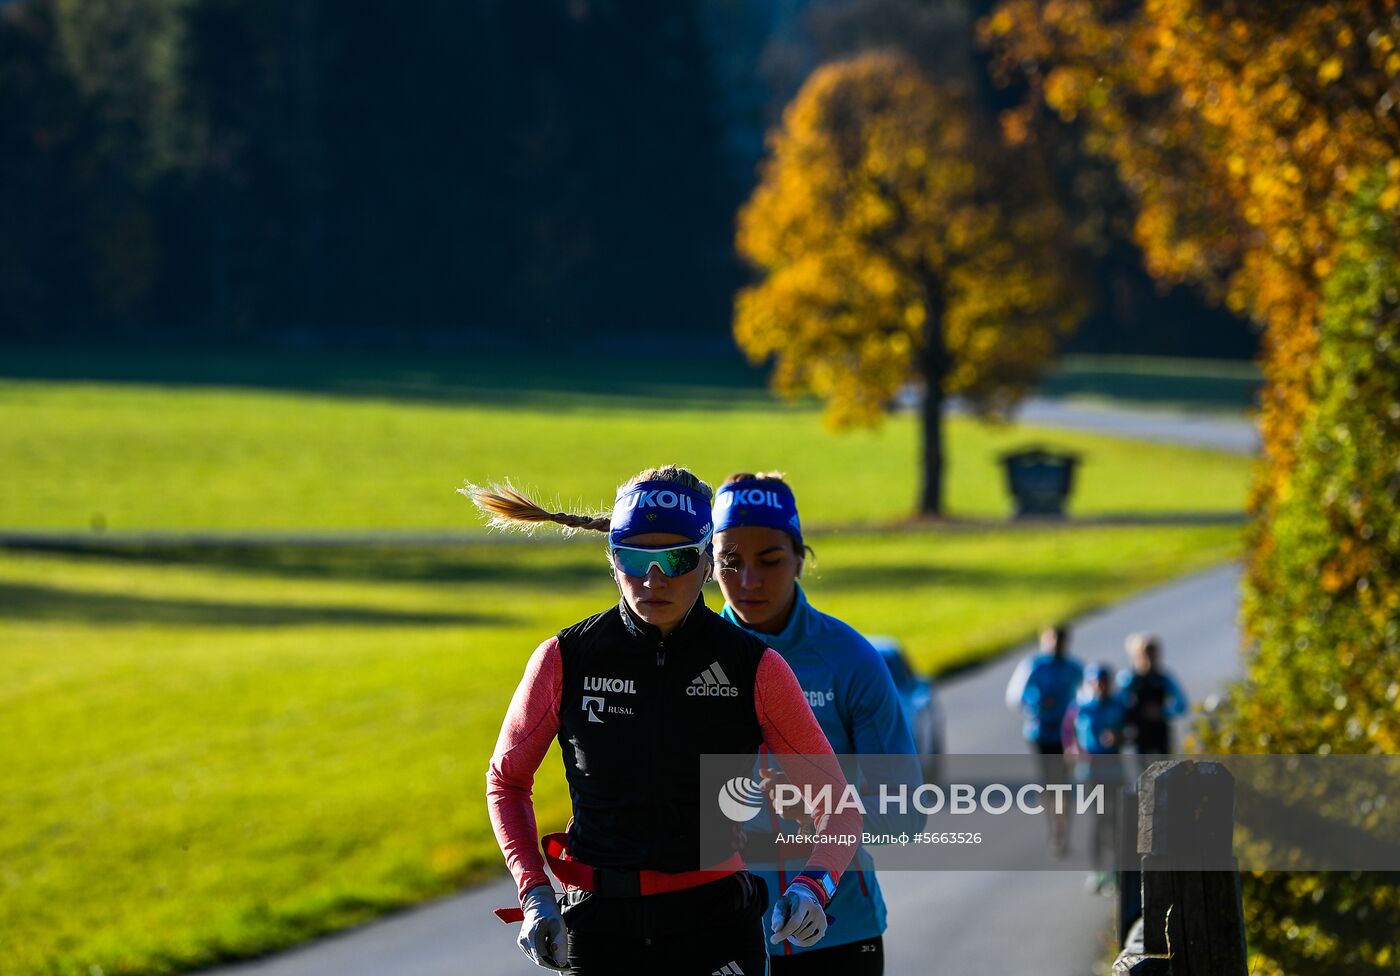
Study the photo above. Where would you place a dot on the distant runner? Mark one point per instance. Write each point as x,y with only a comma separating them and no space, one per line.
1151,695
1042,688
617,691
761,555
1094,727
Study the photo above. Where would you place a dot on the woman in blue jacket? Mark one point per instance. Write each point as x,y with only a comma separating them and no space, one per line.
760,553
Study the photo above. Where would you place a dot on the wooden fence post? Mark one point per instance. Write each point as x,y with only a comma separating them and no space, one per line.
1192,915
1129,877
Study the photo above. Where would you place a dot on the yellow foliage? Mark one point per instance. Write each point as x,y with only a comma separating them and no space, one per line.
897,241
1242,130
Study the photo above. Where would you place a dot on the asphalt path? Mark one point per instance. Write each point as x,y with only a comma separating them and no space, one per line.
956,922
1222,431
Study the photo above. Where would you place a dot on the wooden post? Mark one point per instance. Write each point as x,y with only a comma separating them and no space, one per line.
1134,960
1191,907
1129,877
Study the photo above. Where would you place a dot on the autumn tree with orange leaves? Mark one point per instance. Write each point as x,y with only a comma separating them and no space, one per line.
1243,128
1261,141
899,242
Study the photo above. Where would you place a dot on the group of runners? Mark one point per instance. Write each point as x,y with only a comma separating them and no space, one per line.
1070,709
769,676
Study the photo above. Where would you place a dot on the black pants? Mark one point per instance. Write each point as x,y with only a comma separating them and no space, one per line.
863,958
1050,759
713,928
1154,738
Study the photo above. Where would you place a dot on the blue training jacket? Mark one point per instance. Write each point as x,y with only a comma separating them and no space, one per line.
1094,717
1042,688
854,699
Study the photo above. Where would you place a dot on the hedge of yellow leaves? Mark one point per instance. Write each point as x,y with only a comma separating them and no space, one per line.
1261,141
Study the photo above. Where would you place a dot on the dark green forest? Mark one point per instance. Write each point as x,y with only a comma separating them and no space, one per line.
226,166
241,171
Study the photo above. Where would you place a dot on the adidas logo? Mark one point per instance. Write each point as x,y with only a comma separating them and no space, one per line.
728,969
712,683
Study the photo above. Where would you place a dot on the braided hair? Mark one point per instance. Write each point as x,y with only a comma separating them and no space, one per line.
509,508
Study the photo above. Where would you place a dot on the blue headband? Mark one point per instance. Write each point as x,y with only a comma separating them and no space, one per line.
758,502
659,506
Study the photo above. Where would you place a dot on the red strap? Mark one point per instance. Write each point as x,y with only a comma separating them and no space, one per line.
575,874
660,882
563,865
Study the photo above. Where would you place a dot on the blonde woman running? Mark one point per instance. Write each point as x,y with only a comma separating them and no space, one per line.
618,692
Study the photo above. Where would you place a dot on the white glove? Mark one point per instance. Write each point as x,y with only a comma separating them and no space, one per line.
798,916
542,934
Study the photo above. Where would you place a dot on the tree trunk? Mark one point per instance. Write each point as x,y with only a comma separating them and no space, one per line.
934,366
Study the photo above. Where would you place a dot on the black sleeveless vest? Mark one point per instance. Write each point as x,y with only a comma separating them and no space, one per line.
636,712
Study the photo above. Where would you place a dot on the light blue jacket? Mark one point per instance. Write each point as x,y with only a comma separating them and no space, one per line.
854,699
1042,688
1095,716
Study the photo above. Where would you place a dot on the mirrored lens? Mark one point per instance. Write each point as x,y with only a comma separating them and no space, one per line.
673,562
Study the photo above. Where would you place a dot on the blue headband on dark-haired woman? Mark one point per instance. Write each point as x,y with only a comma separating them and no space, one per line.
660,506
758,501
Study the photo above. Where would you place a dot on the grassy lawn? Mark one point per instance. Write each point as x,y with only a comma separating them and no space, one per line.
214,753
348,453
1180,384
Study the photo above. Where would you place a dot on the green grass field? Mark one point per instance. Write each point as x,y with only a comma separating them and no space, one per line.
139,456
1210,386
216,754
216,751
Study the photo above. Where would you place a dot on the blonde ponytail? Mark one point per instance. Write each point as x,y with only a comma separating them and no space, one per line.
508,508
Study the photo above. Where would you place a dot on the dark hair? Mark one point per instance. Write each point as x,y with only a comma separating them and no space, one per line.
509,508
799,548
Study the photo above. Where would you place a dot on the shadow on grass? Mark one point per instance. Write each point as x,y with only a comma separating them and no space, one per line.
572,568
31,602
711,381
891,578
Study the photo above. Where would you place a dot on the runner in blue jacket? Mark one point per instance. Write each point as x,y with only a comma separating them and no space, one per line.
760,553
1042,688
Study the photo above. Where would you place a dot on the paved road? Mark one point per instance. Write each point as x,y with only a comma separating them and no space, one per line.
951,923
1221,431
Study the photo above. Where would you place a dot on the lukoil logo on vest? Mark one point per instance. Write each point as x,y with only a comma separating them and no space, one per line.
620,686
